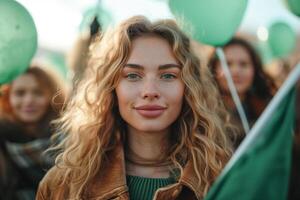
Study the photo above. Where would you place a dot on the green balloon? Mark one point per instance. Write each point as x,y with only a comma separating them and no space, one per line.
294,6
282,39
18,40
213,22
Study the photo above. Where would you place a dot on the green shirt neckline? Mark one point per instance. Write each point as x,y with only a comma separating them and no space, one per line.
145,187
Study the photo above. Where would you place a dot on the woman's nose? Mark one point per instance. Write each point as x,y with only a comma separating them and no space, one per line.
28,99
234,69
150,90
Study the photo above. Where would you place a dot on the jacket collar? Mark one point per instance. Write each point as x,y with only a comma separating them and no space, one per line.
111,180
189,179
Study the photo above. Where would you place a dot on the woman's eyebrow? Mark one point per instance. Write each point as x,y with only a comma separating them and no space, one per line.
168,66
161,67
134,66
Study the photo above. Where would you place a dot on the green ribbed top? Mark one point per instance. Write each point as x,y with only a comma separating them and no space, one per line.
142,188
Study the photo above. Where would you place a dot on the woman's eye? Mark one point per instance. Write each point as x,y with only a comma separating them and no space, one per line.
38,92
244,64
168,76
19,93
133,76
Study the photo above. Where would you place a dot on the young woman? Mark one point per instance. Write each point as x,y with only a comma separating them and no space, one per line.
27,106
254,87
145,123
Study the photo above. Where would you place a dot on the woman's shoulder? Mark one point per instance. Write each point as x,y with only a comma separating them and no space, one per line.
13,132
7,124
53,176
9,130
258,104
50,186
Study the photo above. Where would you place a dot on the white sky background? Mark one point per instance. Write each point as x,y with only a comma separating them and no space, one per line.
58,21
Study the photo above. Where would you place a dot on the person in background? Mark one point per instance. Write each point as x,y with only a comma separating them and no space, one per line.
146,121
254,87
27,106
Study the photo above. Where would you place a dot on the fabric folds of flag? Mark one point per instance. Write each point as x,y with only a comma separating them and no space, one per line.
263,170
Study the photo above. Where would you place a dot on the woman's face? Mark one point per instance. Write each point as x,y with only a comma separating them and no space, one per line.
241,68
29,101
150,92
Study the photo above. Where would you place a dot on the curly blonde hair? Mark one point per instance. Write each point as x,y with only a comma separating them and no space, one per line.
91,124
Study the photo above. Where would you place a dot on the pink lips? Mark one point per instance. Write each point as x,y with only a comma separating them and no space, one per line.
29,110
150,111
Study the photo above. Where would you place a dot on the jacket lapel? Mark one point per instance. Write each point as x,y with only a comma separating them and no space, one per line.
111,179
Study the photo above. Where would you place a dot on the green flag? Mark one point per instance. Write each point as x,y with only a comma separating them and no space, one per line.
262,171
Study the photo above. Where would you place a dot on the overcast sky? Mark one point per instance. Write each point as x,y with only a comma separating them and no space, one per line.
58,21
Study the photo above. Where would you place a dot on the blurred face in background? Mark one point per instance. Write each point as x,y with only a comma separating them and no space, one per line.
241,68
28,99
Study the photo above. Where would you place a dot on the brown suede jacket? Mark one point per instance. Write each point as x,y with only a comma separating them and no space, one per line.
110,184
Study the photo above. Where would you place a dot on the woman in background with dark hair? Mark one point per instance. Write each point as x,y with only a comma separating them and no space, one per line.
27,107
254,87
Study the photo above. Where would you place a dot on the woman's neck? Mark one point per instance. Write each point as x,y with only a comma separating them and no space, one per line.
229,101
146,153
31,129
149,146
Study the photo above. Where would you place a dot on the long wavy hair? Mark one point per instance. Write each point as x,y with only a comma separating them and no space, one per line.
48,81
91,125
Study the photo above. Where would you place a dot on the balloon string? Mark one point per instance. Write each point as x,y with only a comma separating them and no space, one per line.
233,91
